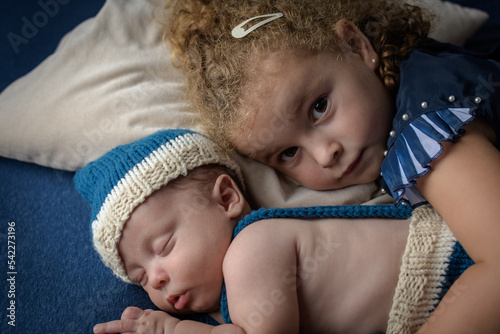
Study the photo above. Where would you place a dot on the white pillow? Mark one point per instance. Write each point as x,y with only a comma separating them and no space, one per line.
110,82
455,23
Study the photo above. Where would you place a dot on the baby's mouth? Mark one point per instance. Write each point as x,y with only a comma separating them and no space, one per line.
178,301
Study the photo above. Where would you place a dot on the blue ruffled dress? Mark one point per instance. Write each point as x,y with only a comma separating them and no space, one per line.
442,88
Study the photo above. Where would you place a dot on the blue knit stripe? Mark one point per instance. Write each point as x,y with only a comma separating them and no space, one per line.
347,211
106,172
458,262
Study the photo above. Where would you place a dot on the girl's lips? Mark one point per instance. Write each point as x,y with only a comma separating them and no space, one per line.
353,165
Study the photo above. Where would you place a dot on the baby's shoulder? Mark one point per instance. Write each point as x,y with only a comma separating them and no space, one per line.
267,234
259,246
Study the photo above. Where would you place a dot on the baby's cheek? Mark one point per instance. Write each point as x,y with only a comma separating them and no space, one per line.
157,299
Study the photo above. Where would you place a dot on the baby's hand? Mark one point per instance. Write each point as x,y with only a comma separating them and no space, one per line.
135,320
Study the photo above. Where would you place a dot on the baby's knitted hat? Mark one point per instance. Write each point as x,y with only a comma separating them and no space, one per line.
123,178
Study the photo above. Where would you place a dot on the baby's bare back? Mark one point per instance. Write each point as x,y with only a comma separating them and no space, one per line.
343,274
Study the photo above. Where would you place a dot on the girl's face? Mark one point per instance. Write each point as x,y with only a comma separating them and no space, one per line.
322,119
173,245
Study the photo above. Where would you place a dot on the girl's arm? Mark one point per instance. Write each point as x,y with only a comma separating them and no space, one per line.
464,187
135,320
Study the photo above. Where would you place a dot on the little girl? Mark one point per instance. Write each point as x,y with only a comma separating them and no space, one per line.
332,93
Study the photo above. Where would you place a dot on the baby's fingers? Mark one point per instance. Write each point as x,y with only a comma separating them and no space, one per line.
117,326
132,312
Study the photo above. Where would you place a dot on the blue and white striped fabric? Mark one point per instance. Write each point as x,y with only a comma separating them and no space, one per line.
441,89
418,144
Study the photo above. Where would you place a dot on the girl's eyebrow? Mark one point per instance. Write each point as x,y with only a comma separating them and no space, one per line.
261,151
291,112
308,95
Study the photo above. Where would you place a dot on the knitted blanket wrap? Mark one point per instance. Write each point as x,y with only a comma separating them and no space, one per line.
423,270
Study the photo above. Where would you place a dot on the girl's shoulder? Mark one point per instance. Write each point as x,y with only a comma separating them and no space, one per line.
442,89
438,75
441,76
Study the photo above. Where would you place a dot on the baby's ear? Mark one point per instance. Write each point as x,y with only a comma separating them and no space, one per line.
227,194
351,39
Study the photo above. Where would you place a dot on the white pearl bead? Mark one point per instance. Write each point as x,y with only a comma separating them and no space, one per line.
392,133
451,98
385,153
424,104
478,100
406,117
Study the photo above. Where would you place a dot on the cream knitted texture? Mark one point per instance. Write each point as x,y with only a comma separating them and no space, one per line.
430,244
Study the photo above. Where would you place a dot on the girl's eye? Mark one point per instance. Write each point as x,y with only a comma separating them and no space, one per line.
319,108
288,154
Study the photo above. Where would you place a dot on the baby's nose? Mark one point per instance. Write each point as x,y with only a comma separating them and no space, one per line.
158,277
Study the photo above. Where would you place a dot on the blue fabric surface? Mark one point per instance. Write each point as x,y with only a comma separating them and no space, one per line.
61,286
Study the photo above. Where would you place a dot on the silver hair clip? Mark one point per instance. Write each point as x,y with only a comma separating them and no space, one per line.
239,32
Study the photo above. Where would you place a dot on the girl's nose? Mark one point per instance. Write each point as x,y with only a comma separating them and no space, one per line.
158,276
328,154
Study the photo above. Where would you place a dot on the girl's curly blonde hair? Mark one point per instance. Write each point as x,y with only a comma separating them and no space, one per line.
217,64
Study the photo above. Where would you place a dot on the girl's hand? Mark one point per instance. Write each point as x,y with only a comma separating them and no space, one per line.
135,320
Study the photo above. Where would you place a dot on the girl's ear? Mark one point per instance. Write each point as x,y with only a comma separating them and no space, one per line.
353,40
229,196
